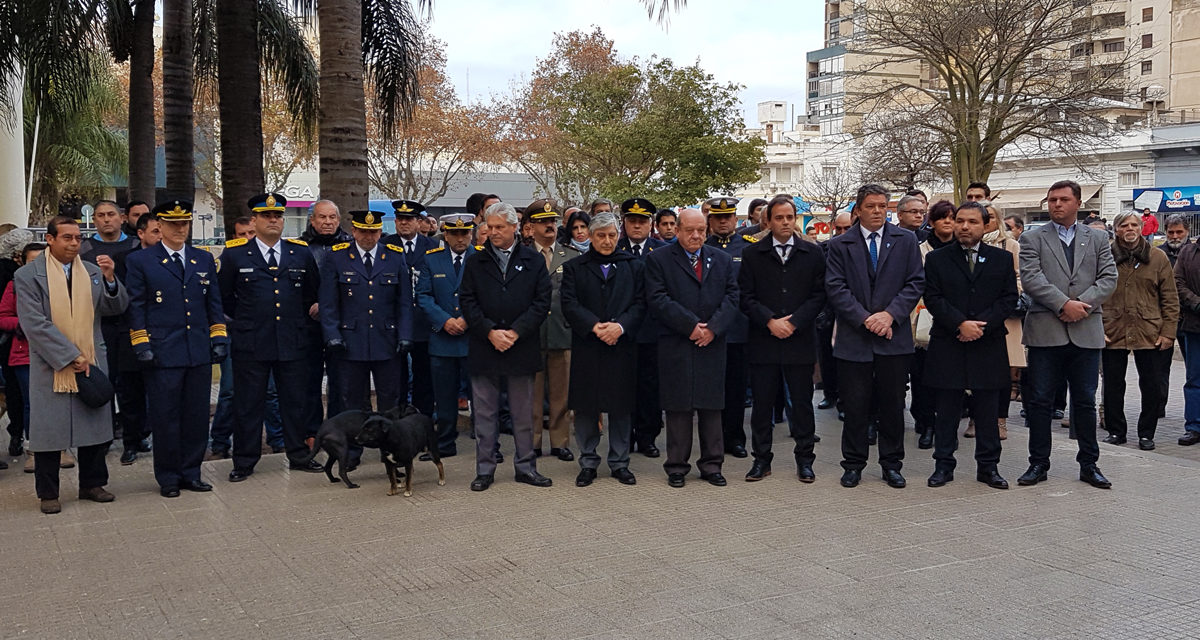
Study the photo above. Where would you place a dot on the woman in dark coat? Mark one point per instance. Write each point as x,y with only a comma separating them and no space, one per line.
603,302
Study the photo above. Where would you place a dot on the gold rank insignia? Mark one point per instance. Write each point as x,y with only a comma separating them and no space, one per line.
370,219
340,246
435,250
395,248
297,241
749,238
236,242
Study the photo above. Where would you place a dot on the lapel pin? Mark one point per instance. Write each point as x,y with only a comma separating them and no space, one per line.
517,267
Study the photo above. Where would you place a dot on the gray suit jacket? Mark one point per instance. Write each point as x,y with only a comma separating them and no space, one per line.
1050,283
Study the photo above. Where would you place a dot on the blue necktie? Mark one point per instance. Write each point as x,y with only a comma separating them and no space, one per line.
874,246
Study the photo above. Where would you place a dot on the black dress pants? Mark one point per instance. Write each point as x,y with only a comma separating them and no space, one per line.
924,398
1115,363
733,416
647,415
356,377
679,441
982,404
131,394
829,373
250,379
93,472
767,381
880,384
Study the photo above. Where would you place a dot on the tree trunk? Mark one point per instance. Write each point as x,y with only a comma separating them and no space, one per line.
177,98
239,86
343,121
141,104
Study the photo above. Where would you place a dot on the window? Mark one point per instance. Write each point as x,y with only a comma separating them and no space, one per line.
1147,67
1128,178
1110,20
783,174
1082,49
829,171
1147,14
1114,46
766,176
1147,41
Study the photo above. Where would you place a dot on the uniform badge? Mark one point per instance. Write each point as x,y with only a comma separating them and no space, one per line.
246,270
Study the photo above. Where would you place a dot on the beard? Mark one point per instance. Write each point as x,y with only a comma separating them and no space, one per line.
1176,245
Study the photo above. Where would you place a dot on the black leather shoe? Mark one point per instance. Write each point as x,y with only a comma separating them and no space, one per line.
1190,438
499,457
1059,414
1145,444
715,479
926,440
758,471
650,451
851,478
894,479
940,478
992,479
16,446
1092,476
278,449
563,454
169,492
826,404
805,474
585,477
841,415
482,482
816,438
537,453
143,446
311,466
535,479
737,451
195,485
1114,439
676,480
872,434
1035,474
624,476
128,456
237,475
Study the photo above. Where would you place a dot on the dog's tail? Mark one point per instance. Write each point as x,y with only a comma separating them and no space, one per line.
312,453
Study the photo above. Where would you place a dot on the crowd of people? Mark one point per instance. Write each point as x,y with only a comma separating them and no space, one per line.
616,320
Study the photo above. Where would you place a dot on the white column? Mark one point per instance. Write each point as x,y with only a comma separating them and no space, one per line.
12,159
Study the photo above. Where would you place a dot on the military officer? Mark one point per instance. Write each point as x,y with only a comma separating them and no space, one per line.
177,329
268,287
366,313
637,215
408,236
437,296
723,235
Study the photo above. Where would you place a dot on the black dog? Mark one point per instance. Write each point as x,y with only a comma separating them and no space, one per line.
336,436
400,441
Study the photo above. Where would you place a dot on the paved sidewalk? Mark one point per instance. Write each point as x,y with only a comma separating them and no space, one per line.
289,555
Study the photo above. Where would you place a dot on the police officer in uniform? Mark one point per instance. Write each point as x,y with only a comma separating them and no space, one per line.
366,313
177,329
723,235
437,297
637,218
408,236
268,287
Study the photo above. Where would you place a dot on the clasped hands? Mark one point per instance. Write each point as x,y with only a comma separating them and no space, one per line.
1074,311
971,330
502,339
608,332
702,335
880,324
455,326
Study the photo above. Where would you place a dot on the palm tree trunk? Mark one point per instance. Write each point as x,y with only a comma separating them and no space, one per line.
343,121
177,98
239,87
141,104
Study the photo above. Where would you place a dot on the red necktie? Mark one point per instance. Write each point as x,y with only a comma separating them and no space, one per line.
699,269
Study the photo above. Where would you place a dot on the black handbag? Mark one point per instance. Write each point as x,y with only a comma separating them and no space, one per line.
95,389
1022,308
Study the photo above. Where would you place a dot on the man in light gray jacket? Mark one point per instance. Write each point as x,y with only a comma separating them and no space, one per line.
1067,270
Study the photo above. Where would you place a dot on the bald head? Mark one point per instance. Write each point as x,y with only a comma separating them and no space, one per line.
692,229
841,223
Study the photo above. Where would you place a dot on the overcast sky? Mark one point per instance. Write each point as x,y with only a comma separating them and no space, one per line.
759,44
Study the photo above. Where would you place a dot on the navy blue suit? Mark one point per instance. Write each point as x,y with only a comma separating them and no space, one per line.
422,385
179,317
733,416
647,413
371,313
437,298
272,335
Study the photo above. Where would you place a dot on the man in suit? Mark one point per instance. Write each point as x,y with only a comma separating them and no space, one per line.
723,235
603,299
1067,270
874,340
177,328
551,383
694,294
829,381
505,296
409,215
970,290
438,298
366,314
782,285
268,288
637,215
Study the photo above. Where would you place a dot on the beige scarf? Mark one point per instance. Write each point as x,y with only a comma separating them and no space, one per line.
72,314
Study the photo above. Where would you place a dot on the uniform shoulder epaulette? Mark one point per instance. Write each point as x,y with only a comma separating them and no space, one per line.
749,238
236,242
396,248
340,246
297,241
435,250
479,247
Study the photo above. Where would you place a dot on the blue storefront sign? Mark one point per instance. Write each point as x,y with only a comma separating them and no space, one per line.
1167,199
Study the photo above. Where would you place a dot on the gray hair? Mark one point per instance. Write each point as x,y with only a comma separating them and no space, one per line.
907,199
14,241
1175,219
599,201
328,202
602,220
503,210
1125,215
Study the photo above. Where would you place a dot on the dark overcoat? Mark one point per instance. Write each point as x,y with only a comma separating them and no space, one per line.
518,299
603,377
691,377
954,294
771,288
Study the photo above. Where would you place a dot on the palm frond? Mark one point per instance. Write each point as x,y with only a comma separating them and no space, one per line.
663,9
391,38
288,62
118,28
204,43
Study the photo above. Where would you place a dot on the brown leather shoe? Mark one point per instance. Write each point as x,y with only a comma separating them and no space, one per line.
1003,428
51,506
29,462
96,494
66,460
970,432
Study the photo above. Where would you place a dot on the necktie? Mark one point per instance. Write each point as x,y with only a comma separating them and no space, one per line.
271,262
546,253
67,270
637,250
457,265
604,269
783,249
178,262
697,267
408,246
971,260
367,262
874,250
